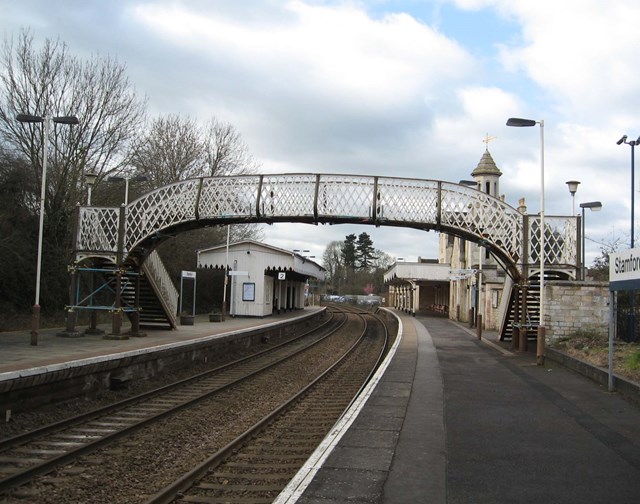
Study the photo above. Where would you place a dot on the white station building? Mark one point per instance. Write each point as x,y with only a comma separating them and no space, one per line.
263,279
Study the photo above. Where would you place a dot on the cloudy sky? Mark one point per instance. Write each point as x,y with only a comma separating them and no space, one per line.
388,87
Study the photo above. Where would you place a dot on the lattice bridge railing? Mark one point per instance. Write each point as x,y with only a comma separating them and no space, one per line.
325,198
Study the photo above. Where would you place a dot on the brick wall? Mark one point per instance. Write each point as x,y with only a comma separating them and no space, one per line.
572,307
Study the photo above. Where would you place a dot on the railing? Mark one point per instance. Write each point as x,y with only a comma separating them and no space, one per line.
561,244
315,198
158,276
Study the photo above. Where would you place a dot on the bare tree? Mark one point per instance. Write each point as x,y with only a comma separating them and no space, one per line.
177,148
172,150
52,82
225,152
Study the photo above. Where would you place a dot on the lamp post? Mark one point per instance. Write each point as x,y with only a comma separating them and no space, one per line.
632,293
517,122
27,118
573,187
127,180
90,180
633,144
595,206
226,276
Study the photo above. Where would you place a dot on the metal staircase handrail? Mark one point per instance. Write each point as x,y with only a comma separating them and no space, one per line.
503,309
161,282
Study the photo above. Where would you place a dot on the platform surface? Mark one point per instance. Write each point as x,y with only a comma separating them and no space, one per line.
457,420
17,354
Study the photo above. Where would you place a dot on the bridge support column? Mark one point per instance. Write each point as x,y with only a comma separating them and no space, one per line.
135,316
515,333
116,321
70,330
523,319
540,345
93,315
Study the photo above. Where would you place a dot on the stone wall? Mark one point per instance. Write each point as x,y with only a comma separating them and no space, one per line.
572,307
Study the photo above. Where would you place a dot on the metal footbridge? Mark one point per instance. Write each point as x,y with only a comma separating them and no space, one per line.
125,237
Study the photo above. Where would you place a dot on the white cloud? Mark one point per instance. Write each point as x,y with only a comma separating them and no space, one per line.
580,52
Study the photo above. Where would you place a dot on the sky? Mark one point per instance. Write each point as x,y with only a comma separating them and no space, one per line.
407,88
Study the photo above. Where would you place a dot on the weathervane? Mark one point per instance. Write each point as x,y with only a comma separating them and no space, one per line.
487,139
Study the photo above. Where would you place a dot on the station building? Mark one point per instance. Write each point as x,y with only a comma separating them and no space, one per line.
263,279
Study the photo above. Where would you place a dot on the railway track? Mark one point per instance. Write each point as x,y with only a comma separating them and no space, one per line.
258,464
38,452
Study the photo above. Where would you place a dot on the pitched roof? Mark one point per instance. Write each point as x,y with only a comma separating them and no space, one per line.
486,166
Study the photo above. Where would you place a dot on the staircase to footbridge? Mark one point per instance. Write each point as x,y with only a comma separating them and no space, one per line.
121,241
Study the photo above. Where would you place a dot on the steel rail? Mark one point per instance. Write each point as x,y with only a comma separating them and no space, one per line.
102,437
179,487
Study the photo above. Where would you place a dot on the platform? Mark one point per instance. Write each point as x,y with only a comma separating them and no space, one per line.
18,355
62,368
457,420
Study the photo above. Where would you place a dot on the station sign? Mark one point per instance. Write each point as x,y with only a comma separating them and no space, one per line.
624,270
463,271
188,274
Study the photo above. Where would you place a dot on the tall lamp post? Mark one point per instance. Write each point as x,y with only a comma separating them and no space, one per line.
632,294
517,122
573,187
633,144
595,206
27,118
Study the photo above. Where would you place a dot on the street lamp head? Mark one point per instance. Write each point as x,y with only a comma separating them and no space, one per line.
595,206
90,178
28,118
521,123
622,140
66,120
573,186
135,178
469,183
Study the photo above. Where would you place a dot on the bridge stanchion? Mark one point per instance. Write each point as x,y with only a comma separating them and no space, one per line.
479,327
515,337
116,320
540,345
523,319
135,325
70,328
523,338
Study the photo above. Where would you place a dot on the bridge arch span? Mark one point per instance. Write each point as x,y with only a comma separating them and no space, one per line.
129,233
